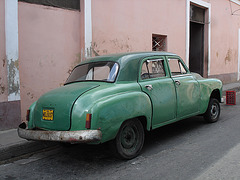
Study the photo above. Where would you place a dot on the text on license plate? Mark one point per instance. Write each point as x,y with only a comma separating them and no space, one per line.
47,114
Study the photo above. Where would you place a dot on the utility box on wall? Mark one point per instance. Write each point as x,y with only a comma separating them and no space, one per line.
231,97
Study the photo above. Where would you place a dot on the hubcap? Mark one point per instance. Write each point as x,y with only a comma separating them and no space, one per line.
129,137
214,111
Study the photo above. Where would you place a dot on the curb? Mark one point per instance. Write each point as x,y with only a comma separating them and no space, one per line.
23,148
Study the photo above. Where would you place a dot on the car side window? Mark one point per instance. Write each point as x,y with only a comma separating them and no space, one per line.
176,67
153,69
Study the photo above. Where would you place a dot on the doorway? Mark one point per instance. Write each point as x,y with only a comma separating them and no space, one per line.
196,47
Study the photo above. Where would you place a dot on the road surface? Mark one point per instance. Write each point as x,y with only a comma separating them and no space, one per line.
189,149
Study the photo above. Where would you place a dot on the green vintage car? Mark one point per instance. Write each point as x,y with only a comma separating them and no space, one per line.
117,98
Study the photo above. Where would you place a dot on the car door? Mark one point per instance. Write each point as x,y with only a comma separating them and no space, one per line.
156,82
187,88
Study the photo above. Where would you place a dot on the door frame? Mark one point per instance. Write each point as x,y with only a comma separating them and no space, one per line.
207,7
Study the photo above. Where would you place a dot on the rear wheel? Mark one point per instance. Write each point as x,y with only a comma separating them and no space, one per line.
129,140
213,111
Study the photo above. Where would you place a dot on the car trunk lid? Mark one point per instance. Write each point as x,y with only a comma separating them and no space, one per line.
53,109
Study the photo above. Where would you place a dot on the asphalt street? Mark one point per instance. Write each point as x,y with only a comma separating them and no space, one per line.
189,149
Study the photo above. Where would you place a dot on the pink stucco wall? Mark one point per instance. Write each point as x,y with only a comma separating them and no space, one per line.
3,63
123,26
49,47
224,37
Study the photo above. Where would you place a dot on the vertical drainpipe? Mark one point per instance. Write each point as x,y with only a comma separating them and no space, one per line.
88,27
11,36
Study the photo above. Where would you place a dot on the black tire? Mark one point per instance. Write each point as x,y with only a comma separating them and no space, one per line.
129,140
213,111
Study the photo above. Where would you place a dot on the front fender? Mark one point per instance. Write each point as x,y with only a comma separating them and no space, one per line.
207,87
109,113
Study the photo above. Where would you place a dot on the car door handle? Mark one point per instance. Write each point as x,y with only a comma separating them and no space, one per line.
149,87
177,82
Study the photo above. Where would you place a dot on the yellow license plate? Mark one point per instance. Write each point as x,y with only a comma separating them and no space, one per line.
47,114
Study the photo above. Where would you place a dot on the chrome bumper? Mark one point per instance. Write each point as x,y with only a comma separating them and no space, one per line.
83,136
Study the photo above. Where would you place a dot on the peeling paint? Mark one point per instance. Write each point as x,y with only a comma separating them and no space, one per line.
13,77
16,64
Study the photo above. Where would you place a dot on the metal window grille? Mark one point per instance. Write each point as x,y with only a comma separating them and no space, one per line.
159,43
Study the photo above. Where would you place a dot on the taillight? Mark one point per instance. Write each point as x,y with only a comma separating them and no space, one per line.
88,121
27,115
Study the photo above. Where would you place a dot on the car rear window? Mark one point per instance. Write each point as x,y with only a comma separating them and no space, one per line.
96,71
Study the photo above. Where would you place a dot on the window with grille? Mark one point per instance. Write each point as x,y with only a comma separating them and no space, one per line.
65,4
159,42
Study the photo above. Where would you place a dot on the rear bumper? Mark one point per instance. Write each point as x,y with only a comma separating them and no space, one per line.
83,136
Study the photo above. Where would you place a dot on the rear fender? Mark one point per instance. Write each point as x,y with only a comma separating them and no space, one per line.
109,113
30,123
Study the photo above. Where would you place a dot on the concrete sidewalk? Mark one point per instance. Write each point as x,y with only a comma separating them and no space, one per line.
12,146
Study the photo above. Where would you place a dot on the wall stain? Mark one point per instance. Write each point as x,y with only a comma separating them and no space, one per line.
228,57
2,89
78,59
30,95
95,49
117,45
4,62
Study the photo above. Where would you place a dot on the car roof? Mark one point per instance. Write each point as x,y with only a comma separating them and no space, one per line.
129,56
129,62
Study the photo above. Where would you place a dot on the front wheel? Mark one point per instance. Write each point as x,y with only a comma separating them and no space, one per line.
129,140
213,111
